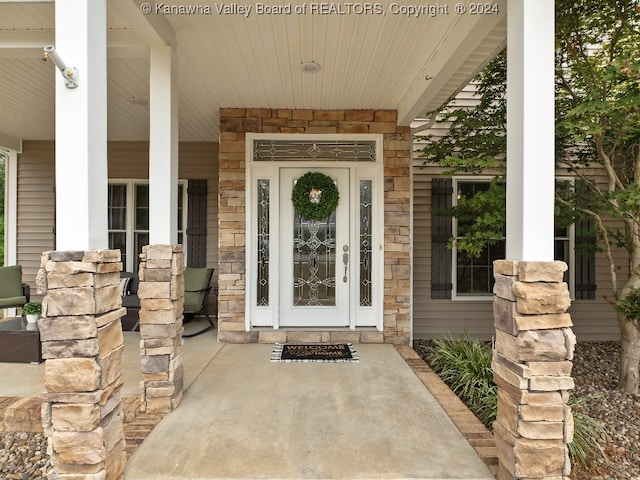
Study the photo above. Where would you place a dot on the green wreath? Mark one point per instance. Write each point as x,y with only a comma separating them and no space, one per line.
315,196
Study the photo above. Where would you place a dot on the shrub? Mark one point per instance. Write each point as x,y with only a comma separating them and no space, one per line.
464,365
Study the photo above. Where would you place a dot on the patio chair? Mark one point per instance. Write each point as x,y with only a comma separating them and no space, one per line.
13,293
196,294
130,300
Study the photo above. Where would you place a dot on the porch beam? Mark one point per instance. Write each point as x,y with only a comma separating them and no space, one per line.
467,32
29,44
530,130
10,142
163,147
81,126
153,29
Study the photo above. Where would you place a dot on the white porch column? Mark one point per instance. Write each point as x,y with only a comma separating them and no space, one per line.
11,209
81,126
163,147
530,130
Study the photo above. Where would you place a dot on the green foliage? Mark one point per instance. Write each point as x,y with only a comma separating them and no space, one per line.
598,104
1,240
598,94
629,306
324,204
481,219
476,140
32,308
2,160
465,365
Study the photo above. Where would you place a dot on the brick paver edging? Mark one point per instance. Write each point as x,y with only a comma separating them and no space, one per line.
472,429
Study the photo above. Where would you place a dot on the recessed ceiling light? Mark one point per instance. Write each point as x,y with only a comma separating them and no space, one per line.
310,67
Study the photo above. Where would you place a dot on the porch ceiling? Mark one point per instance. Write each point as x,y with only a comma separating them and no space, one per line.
386,61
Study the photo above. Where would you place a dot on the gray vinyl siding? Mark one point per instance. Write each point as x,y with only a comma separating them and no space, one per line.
127,160
35,208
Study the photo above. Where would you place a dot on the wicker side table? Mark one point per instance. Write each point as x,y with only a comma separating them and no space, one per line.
19,341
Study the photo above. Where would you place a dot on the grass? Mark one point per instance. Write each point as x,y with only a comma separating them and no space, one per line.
464,364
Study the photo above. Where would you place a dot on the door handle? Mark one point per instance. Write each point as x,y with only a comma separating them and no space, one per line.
345,260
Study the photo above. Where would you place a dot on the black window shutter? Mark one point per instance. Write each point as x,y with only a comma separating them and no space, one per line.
585,258
197,223
441,196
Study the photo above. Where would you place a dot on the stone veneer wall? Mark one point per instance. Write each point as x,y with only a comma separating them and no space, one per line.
161,292
234,124
82,346
532,368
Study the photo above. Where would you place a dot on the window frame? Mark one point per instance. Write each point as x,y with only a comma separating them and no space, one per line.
454,251
454,234
130,213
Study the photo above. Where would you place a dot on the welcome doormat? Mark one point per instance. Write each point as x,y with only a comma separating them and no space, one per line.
314,352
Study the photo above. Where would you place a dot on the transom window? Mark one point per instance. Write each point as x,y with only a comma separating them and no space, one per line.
128,225
269,150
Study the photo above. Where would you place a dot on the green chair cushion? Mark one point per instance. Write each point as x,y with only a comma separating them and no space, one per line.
196,283
12,301
193,301
10,282
196,279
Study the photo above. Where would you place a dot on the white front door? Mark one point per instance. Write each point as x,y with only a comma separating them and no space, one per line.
315,257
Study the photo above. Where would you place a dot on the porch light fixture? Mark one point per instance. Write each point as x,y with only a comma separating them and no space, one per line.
310,67
70,74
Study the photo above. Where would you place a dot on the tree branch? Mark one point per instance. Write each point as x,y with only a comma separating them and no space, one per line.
614,180
605,237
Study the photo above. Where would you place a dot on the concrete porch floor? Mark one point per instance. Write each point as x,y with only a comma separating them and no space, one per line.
23,380
244,417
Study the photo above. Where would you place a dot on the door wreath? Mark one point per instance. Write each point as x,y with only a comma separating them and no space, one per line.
315,196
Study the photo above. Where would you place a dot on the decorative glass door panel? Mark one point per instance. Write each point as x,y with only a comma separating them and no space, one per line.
314,261
314,257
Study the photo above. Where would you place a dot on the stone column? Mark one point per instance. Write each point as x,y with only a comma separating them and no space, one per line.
532,367
82,346
161,293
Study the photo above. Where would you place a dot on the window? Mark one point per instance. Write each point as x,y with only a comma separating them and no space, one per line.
454,274
473,276
129,218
